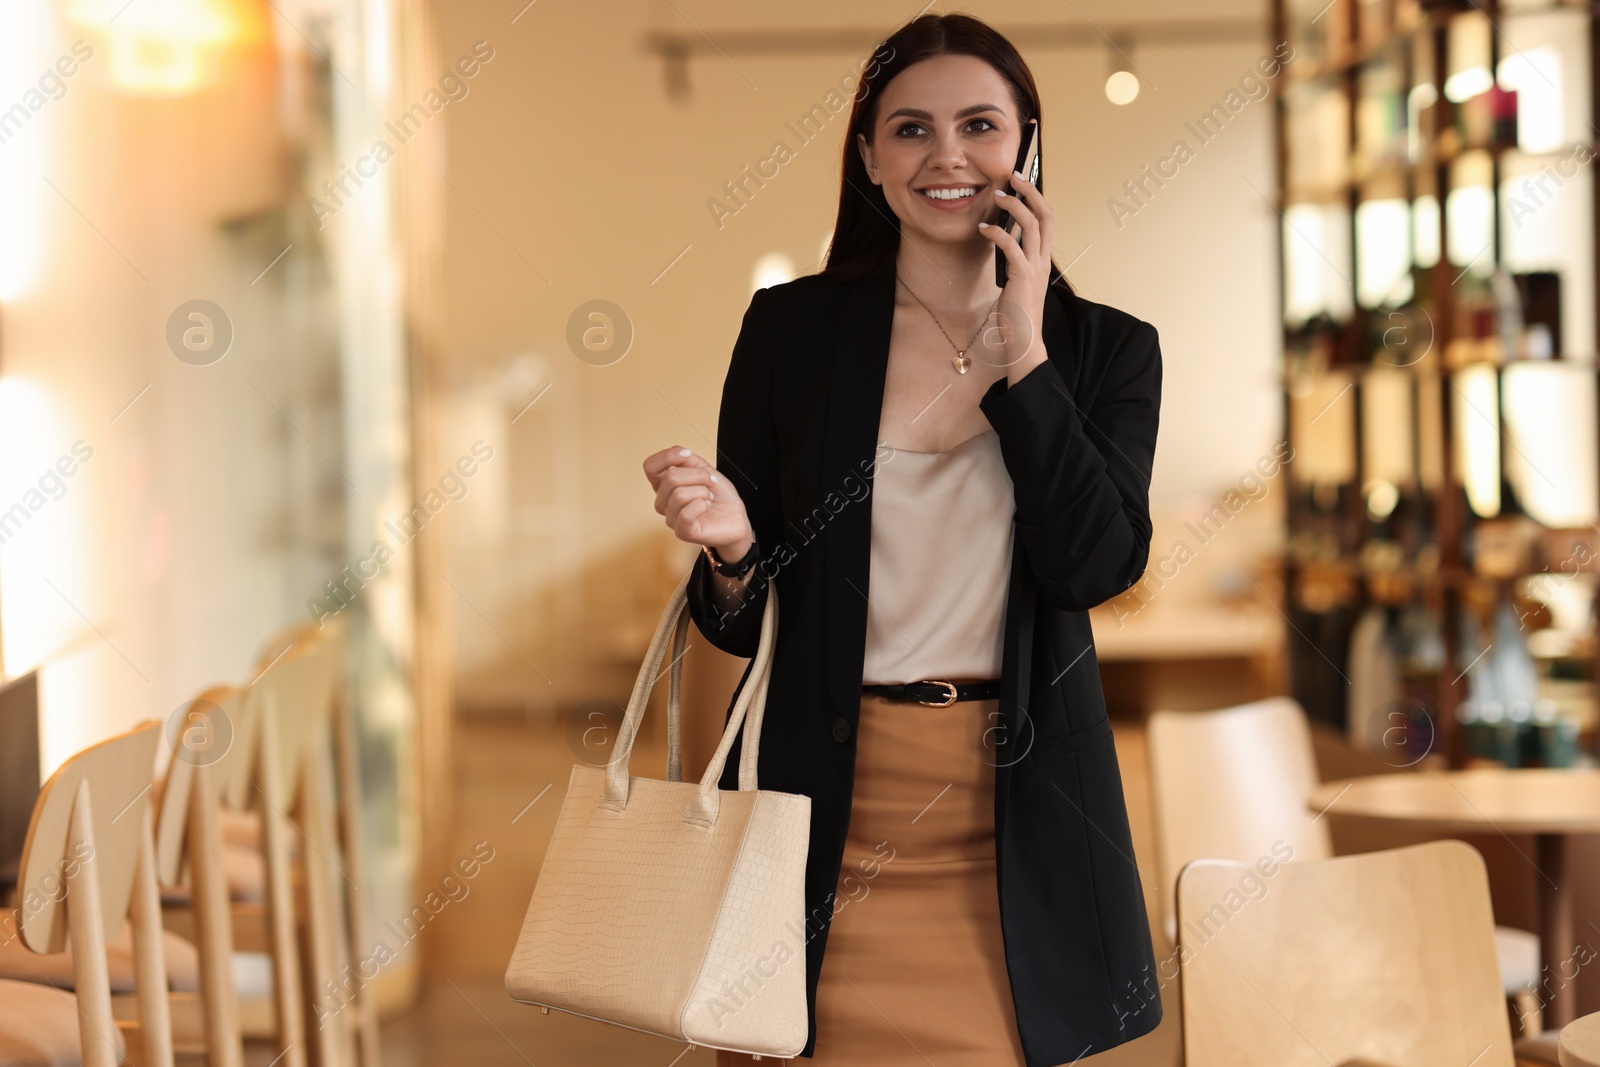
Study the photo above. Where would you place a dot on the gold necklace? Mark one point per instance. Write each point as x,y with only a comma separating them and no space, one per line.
959,360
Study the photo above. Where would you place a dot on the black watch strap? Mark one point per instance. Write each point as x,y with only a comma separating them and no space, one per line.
737,569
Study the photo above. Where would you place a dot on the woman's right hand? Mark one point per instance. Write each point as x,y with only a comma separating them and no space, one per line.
700,505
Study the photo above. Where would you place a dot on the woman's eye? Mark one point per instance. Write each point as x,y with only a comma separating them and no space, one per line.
909,128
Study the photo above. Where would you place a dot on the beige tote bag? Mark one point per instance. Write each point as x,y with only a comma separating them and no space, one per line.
670,907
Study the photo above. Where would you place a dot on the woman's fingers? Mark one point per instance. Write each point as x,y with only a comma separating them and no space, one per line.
676,456
658,463
1039,208
1021,211
698,503
679,476
686,503
1028,255
1016,258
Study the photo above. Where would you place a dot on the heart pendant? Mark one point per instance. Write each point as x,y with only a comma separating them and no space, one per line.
961,363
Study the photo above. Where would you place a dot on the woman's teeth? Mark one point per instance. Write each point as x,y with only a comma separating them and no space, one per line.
950,194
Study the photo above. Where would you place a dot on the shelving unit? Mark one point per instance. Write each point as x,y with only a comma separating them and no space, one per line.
1440,283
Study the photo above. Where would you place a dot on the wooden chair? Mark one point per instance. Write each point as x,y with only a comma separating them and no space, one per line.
1381,957
192,871
339,809
88,865
264,783
311,923
1232,784
292,705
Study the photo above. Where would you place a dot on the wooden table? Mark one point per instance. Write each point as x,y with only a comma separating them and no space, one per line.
1549,804
1580,1042
1164,654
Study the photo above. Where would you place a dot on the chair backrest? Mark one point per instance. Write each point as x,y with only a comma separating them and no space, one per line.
118,773
293,691
298,634
1232,784
1381,956
293,699
212,732
207,752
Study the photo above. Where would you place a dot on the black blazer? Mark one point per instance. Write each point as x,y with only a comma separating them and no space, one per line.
796,436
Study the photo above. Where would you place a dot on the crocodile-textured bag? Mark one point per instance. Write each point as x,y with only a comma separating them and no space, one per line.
671,907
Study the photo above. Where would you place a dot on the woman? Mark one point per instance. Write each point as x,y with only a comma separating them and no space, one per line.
942,502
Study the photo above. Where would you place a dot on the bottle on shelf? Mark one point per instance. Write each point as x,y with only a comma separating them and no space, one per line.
1504,720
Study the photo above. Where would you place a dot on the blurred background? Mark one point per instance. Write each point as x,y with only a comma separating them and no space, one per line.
371,310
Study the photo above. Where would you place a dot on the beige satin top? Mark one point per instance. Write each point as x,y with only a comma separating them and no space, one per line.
941,561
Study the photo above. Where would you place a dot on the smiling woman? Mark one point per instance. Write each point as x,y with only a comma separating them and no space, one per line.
915,695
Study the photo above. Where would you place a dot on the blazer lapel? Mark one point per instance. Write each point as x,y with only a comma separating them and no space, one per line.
854,409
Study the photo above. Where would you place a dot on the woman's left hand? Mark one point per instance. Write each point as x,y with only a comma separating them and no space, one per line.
1027,272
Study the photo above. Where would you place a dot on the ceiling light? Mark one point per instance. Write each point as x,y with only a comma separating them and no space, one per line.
160,47
1122,87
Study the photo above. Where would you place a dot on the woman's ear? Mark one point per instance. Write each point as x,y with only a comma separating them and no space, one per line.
867,157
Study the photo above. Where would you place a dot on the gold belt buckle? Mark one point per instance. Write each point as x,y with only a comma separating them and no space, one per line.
951,699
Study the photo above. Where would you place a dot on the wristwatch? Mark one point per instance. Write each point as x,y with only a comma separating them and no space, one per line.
737,569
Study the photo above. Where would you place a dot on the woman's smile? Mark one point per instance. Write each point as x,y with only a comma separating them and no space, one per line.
950,197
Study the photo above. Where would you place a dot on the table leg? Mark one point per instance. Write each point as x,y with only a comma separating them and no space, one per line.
1555,930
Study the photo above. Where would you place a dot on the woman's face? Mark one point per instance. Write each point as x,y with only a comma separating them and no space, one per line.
946,123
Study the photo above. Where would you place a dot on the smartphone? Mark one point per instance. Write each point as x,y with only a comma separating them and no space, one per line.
1028,166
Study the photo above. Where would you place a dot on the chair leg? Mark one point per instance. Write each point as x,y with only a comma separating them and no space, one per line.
332,1034
1529,1011
86,930
149,957
287,991
346,753
213,924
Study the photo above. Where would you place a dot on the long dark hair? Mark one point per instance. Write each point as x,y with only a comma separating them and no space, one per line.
866,235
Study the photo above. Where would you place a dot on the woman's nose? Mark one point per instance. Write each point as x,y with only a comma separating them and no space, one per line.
947,152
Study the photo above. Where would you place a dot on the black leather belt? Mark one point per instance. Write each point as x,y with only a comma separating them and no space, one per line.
936,693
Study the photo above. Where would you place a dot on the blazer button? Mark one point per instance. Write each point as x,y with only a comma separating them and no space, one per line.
841,729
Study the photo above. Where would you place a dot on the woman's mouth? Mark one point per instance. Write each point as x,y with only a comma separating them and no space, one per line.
952,198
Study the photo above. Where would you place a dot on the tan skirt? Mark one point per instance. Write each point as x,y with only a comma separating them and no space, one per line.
914,970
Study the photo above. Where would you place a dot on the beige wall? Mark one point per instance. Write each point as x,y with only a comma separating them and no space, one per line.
577,178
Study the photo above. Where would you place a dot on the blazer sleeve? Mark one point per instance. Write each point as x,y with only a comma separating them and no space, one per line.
1082,479
747,455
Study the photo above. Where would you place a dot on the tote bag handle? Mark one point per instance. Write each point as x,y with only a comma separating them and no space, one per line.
747,713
